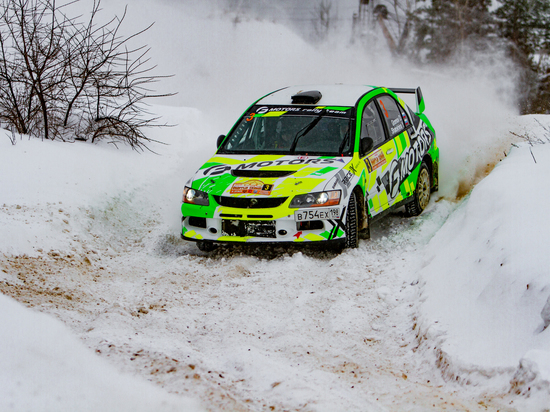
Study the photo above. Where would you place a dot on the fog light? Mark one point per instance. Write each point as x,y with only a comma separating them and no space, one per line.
213,230
282,232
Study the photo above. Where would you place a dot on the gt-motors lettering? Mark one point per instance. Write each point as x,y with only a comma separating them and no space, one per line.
401,168
221,169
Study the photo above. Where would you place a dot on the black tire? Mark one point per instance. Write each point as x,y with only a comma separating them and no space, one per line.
422,192
206,246
352,235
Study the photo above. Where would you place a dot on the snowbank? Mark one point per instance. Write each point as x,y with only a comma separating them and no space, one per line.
486,277
49,190
48,194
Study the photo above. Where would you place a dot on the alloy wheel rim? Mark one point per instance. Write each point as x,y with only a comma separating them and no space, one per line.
423,189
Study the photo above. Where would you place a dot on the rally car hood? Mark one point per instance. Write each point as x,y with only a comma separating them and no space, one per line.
269,175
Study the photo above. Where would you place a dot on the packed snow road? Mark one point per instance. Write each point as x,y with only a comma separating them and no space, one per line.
93,240
251,329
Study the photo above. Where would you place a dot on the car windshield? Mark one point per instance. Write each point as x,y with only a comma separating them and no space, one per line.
308,131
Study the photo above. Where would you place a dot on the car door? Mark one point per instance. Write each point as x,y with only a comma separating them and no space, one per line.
383,122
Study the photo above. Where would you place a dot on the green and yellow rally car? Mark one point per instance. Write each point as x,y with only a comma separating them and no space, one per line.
314,164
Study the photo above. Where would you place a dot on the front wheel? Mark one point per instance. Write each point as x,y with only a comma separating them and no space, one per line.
421,196
352,235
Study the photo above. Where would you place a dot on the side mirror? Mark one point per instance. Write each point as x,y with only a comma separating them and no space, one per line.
365,146
220,140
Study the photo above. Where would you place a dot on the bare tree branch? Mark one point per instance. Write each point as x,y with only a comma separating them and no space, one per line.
63,79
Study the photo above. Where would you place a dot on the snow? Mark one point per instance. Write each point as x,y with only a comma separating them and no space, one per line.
488,263
472,274
46,368
117,313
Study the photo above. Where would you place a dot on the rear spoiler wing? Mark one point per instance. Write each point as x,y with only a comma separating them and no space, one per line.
420,106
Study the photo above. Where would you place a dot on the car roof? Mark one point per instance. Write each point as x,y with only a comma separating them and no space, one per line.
332,95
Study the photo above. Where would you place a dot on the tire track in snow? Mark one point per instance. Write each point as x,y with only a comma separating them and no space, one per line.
256,331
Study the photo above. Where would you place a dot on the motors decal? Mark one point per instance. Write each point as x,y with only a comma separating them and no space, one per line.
216,170
299,110
252,186
265,109
402,167
220,169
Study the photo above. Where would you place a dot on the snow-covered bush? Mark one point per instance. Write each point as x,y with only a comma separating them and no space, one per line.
536,136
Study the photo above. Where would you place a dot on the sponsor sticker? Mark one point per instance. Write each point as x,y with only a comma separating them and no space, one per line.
377,159
275,111
251,186
397,129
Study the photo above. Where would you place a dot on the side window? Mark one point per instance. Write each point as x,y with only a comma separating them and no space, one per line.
392,115
371,124
405,117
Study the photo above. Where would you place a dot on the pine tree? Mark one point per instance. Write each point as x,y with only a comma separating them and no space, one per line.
445,27
526,26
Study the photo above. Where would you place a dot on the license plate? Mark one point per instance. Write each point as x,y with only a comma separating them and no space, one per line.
317,214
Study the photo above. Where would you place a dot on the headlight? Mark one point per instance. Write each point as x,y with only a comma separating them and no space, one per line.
317,199
195,197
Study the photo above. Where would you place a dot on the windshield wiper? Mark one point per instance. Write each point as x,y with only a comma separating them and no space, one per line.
346,138
303,131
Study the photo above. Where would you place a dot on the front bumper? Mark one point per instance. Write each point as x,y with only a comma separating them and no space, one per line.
260,226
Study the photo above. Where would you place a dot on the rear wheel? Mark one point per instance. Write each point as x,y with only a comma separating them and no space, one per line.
421,196
352,235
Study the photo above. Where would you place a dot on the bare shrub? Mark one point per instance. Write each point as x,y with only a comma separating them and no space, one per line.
64,79
535,138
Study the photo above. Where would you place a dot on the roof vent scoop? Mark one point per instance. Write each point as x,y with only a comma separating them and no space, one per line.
309,97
